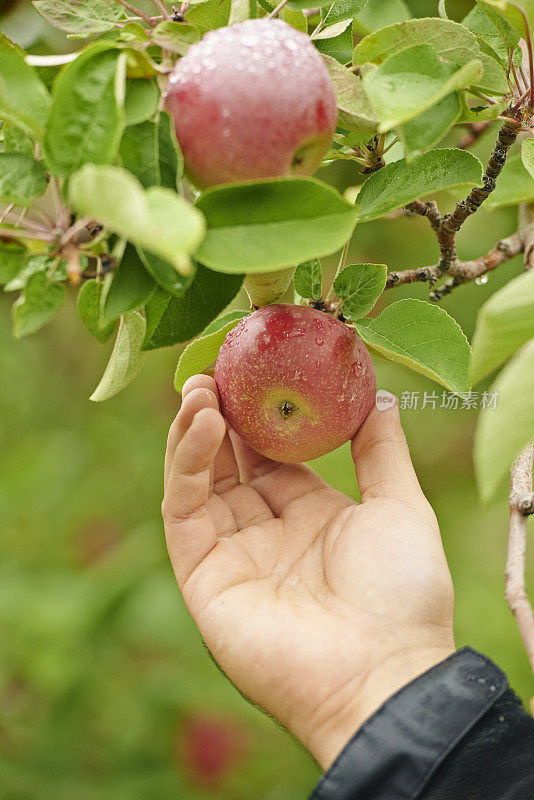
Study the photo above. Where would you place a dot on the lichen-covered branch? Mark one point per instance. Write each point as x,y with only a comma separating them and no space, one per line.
466,270
451,223
521,505
429,210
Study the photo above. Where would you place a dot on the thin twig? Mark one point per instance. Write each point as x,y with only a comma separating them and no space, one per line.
11,233
25,224
278,8
521,505
160,5
476,129
528,41
133,10
74,230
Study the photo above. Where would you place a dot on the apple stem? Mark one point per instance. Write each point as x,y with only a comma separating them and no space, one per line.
340,266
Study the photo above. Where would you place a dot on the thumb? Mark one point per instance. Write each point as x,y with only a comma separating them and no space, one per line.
381,455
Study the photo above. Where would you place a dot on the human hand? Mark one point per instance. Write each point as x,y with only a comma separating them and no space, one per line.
317,608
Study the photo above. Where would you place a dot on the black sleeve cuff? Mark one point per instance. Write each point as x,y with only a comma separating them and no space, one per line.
398,749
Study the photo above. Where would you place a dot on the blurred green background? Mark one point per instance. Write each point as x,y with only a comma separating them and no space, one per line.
106,690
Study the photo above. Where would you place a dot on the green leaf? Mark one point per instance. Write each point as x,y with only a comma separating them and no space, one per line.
156,219
423,337
201,353
39,302
223,320
81,17
141,100
209,15
24,99
355,112
339,47
482,113
452,41
359,286
308,279
511,13
398,183
30,266
379,13
491,28
87,118
89,304
12,261
412,81
22,179
429,128
515,185
171,320
130,287
345,9
164,273
527,155
239,11
332,31
177,36
309,3
505,322
139,153
503,432
295,18
15,140
171,162
263,226
126,359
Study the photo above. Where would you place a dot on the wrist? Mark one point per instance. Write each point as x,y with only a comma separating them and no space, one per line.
327,739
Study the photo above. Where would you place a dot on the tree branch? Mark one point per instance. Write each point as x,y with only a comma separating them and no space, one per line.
451,223
467,270
136,12
521,505
526,229
476,129
429,210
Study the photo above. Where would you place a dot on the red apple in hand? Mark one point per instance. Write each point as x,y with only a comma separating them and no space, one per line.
252,101
294,382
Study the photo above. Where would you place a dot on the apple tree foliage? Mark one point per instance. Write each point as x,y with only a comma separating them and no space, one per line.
94,200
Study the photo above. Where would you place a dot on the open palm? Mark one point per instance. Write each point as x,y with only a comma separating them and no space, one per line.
315,606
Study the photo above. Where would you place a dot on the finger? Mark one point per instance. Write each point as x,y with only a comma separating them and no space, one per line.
189,527
278,484
382,458
225,472
192,402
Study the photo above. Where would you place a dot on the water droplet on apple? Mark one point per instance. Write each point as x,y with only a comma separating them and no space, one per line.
357,367
319,341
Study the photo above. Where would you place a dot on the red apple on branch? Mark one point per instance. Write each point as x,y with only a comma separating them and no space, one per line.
294,382
252,101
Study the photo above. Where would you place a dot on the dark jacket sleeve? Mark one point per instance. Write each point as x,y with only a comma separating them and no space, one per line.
457,732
